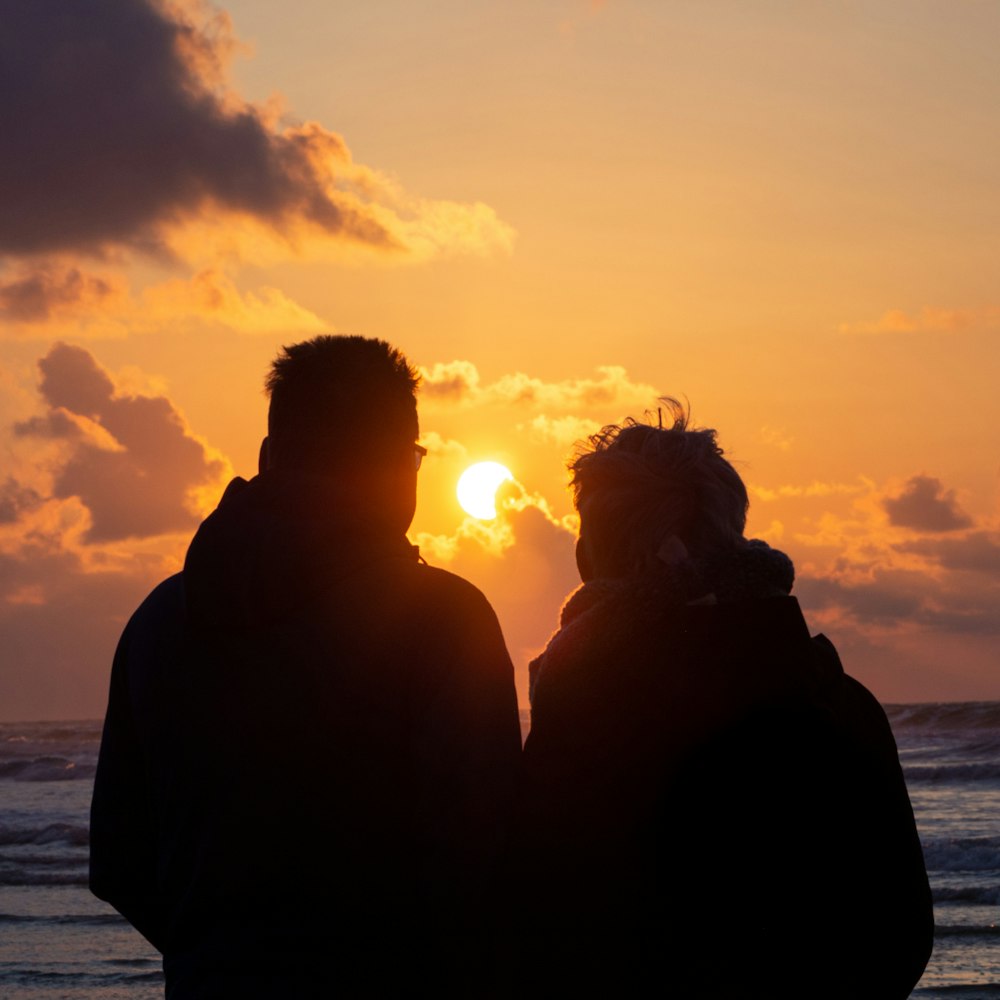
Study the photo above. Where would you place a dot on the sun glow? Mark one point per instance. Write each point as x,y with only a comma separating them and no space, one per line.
477,488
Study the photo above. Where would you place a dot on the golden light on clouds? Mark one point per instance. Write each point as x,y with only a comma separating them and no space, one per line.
790,234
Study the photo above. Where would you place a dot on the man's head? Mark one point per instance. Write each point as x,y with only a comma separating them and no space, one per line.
638,485
345,408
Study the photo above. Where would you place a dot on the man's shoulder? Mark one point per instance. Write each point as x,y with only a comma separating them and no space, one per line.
443,581
447,594
165,602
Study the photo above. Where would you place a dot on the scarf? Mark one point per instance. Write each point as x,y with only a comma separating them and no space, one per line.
752,571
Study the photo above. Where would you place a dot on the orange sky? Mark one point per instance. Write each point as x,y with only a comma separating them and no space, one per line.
786,213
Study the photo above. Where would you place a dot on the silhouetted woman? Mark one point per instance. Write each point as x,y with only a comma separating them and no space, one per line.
711,807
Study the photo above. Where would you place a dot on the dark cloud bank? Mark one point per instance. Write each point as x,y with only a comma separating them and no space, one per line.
114,124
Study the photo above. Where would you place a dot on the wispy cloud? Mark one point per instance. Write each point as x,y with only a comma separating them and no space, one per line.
560,430
459,382
444,447
776,437
930,319
69,303
213,296
813,489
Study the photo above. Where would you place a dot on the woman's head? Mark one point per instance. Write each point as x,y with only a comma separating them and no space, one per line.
638,485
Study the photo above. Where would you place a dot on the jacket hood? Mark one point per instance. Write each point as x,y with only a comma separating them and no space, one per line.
275,543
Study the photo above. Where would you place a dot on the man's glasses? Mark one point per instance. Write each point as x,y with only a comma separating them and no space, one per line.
418,455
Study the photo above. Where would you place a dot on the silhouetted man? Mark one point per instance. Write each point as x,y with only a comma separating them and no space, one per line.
312,735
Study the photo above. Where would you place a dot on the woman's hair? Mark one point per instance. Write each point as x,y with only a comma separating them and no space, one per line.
637,484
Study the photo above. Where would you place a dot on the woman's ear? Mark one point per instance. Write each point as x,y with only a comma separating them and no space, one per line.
264,456
583,563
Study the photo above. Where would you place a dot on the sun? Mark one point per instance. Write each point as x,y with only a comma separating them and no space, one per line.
477,488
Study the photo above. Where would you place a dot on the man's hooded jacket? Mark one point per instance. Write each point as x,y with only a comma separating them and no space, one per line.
309,751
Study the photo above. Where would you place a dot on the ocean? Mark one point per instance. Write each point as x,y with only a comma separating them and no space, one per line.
57,941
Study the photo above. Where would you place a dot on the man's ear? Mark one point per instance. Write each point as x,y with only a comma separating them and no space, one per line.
264,456
583,563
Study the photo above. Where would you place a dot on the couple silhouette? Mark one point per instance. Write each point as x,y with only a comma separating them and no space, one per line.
311,781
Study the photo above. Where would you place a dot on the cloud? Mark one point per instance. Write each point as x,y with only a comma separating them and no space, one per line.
120,131
39,295
129,459
860,576
15,499
212,296
813,489
977,552
101,482
931,656
442,447
885,599
906,606
68,302
776,437
459,382
560,430
901,599
454,381
929,320
612,386
925,505
497,535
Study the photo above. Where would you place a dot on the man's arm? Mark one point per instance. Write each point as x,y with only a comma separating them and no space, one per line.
122,839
